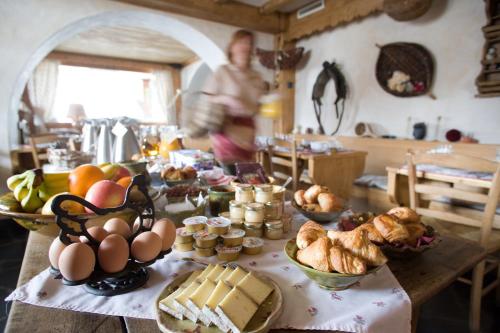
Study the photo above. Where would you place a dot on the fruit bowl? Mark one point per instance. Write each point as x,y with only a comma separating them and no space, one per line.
320,217
325,280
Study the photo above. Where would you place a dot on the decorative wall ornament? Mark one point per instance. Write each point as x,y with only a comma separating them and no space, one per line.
406,10
281,59
405,69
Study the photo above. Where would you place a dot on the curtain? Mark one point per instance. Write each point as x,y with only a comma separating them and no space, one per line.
42,88
164,86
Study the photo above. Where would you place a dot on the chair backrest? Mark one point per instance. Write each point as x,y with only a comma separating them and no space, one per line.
38,154
462,193
288,160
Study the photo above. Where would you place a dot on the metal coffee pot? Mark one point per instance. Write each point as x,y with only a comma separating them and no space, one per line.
104,144
126,143
89,137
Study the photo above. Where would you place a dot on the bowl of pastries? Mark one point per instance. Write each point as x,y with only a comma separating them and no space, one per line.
399,233
173,176
317,203
335,260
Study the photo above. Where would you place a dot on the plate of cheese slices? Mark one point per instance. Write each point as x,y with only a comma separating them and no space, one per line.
219,299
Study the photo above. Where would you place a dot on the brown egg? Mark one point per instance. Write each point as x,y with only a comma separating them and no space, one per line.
146,246
118,226
55,252
166,230
113,253
76,262
98,233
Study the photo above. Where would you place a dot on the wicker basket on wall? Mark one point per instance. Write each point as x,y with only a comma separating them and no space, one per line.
410,58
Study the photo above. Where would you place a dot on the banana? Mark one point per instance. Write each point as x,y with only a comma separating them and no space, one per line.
57,185
9,203
15,180
45,193
21,191
56,177
31,202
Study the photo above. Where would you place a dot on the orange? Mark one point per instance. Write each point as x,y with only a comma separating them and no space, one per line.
83,177
124,181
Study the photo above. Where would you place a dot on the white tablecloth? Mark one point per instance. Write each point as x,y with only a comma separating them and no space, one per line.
376,304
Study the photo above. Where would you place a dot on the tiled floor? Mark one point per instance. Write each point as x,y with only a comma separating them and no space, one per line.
447,312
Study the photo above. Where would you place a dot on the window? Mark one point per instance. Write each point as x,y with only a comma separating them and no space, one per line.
107,93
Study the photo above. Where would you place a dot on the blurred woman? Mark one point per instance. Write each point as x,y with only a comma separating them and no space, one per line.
238,88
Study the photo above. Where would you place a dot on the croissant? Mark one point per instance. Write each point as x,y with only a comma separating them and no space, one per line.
390,228
358,243
345,262
372,232
316,254
311,195
308,233
329,202
405,214
415,231
299,197
312,208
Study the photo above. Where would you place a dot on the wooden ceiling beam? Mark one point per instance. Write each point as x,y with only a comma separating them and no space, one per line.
272,6
232,13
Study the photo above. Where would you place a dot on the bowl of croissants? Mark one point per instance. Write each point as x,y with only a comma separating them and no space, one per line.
399,233
318,204
335,260
173,176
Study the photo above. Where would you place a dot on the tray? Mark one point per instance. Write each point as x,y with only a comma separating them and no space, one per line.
261,322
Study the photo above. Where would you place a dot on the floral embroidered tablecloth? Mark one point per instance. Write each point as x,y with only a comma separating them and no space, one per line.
376,304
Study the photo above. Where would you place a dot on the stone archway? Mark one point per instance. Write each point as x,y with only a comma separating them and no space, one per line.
206,49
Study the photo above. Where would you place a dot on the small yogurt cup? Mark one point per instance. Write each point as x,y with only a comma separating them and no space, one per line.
195,223
183,236
252,245
234,237
183,247
218,225
225,253
204,239
204,252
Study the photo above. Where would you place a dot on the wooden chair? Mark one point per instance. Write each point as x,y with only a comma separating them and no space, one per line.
38,154
281,167
479,229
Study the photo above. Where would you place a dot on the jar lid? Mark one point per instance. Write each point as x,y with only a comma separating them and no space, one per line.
274,224
244,187
252,242
274,203
234,203
204,235
225,249
183,232
234,233
224,215
255,226
195,220
254,206
218,222
263,188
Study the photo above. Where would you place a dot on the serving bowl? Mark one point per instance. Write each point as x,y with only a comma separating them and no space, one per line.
320,217
179,216
325,280
172,183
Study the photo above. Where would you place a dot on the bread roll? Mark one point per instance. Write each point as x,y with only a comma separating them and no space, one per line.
311,195
329,202
299,198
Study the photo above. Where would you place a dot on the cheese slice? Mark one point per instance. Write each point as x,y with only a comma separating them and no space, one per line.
254,288
215,272
190,279
235,276
236,310
167,304
180,301
205,272
220,291
197,300
224,275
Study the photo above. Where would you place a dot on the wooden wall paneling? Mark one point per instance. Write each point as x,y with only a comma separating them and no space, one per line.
232,13
272,6
286,87
336,12
176,76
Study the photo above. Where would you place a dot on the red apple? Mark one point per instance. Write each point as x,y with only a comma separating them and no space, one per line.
120,173
105,194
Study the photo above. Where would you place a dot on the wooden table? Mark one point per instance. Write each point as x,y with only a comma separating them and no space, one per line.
421,277
336,170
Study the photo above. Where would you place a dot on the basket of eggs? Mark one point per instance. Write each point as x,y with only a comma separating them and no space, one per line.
112,259
317,203
399,233
335,260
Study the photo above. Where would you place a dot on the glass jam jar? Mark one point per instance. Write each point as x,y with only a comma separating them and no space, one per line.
253,230
244,193
263,193
273,229
254,212
273,210
236,210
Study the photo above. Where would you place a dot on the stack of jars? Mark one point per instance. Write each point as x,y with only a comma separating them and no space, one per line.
256,211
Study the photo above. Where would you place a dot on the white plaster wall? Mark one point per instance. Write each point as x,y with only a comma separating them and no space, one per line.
451,30
26,25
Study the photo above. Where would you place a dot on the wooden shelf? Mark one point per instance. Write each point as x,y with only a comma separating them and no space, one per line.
485,95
